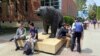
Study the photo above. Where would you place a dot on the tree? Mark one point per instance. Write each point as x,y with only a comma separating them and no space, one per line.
98,13
92,14
92,11
80,4
95,7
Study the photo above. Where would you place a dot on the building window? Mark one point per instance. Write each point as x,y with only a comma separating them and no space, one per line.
57,7
0,7
42,2
16,8
26,5
54,3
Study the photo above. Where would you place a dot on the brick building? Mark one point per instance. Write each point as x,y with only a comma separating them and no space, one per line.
15,10
67,7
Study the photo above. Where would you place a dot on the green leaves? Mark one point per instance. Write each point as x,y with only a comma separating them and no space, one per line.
92,11
92,14
98,13
80,4
69,20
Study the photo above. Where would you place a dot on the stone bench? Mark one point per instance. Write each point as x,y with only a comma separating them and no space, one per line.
50,45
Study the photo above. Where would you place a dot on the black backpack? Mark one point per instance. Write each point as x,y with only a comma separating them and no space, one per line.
27,48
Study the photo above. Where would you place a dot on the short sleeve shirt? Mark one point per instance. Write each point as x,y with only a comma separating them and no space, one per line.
33,31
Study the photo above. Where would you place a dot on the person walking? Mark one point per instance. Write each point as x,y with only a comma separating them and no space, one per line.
94,23
77,29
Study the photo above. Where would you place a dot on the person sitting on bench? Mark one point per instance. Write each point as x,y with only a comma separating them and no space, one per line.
64,33
32,38
20,35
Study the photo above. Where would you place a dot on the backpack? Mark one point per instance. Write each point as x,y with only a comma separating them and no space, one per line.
78,27
27,48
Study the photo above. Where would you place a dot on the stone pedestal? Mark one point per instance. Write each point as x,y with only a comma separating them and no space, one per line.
49,45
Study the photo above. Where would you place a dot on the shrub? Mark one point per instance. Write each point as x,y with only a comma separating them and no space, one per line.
69,20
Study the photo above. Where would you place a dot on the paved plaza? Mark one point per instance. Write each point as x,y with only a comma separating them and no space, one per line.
90,46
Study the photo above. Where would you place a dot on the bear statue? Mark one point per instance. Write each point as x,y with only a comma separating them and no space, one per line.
51,17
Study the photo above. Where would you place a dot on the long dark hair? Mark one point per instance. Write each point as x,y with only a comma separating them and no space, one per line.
32,24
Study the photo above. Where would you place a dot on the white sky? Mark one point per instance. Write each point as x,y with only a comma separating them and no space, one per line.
93,1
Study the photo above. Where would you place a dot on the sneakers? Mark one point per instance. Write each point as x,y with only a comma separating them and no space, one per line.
11,39
79,51
72,50
17,48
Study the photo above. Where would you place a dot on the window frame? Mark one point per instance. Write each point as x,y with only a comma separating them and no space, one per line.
51,3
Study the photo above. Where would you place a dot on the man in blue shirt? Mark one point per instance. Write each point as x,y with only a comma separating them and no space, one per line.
77,28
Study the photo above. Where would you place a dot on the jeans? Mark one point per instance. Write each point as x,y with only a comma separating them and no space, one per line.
17,46
76,36
16,41
32,41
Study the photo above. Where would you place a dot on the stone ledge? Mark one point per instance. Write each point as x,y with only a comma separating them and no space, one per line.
50,45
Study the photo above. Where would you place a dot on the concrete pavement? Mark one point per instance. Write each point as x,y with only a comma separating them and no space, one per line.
90,46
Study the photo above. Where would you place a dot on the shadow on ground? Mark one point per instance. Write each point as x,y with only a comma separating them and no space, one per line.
87,50
66,51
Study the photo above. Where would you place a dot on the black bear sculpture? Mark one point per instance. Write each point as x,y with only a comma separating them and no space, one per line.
51,17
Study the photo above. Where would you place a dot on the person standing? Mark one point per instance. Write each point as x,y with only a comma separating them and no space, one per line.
94,23
77,29
98,23
86,24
